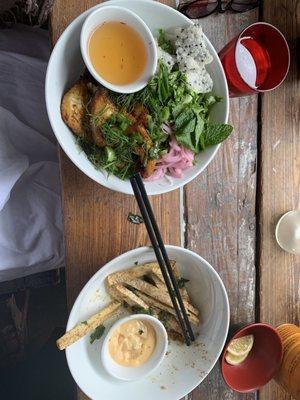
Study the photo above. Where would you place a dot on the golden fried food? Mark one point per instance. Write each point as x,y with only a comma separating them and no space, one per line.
74,108
101,108
85,327
149,169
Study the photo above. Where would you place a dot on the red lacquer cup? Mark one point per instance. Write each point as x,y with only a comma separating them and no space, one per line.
255,61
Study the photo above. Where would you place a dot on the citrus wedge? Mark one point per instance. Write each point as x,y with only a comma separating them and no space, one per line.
241,346
235,360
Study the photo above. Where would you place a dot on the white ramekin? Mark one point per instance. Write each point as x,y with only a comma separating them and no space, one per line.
116,13
134,373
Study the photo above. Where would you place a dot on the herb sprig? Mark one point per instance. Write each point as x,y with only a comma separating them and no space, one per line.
97,334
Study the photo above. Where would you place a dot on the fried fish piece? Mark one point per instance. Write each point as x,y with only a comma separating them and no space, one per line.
101,108
74,109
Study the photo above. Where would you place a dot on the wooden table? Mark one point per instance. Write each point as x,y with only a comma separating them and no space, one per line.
227,214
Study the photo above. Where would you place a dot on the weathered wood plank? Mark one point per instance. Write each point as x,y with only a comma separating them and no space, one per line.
220,206
280,184
96,226
95,218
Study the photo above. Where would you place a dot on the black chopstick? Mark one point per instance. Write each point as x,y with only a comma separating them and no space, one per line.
161,255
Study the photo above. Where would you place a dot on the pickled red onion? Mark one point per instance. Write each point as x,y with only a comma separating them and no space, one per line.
177,160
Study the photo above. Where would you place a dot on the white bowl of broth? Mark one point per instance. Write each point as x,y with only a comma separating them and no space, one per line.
118,49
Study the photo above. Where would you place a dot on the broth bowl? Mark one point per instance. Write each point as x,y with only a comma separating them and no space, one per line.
66,65
119,14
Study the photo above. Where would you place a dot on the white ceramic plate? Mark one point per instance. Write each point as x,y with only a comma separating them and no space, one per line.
66,65
184,367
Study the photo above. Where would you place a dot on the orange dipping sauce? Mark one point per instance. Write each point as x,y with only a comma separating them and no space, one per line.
117,53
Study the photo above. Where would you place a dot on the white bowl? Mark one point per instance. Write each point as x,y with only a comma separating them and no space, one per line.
287,232
66,65
134,373
184,367
120,14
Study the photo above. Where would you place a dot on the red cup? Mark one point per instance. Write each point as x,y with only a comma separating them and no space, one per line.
262,362
255,61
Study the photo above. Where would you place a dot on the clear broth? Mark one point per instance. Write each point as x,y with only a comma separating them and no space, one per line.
117,52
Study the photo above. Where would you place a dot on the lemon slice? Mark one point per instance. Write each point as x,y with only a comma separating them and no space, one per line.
241,346
235,360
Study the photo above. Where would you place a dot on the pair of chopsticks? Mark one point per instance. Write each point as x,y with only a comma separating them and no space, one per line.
161,255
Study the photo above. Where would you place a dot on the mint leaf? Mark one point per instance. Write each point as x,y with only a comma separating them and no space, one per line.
183,118
185,140
216,133
98,332
199,134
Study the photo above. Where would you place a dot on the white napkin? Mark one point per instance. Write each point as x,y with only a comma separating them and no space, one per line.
30,206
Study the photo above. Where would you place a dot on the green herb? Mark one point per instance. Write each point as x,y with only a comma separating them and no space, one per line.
163,316
141,331
135,218
169,100
165,44
216,133
97,334
119,156
84,322
96,119
141,310
110,154
181,282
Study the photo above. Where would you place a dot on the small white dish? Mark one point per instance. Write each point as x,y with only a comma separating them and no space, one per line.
120,14
134,373
287,232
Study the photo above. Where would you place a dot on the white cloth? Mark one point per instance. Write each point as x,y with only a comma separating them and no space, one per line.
30,206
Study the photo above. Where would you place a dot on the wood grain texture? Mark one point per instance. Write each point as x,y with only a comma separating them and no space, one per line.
95,218
280,183
220,207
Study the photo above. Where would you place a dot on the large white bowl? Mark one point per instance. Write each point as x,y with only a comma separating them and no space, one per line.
66,64
184,367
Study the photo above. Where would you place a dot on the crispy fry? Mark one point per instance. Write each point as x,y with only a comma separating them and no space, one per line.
156,271
158,283
83,328
156,293
170,322
155,303
121,293
127,274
